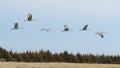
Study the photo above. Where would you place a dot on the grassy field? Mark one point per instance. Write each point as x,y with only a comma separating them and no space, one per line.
54,65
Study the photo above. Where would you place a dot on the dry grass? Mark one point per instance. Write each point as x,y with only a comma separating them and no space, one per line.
54,65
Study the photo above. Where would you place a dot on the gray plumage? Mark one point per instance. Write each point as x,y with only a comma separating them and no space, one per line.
16,26
46,29
101,34
66,28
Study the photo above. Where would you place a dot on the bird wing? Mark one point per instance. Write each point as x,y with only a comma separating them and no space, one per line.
85,27
16,26
66,29
101,35
29,16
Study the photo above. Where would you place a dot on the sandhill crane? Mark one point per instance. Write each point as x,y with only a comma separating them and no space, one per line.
66,28
29,17
85,28
16,26
101,34
46,29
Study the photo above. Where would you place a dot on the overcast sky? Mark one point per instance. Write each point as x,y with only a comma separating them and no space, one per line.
100,15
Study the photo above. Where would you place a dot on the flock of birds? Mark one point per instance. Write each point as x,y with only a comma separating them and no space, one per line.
66,28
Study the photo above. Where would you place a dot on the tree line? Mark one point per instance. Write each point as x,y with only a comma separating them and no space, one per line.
47,56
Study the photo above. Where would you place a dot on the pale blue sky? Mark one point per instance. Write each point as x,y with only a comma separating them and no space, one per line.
100,15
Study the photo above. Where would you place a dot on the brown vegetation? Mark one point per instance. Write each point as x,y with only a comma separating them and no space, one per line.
54,65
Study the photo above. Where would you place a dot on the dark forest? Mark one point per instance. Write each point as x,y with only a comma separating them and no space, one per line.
47,56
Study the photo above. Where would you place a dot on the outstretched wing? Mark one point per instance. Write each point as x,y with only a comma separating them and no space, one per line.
102,36
85,27
29,17
16,25
66,29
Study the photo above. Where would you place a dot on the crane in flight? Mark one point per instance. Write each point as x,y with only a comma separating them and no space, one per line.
29,17
101,34
66,28
84,28
46,29
16,26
